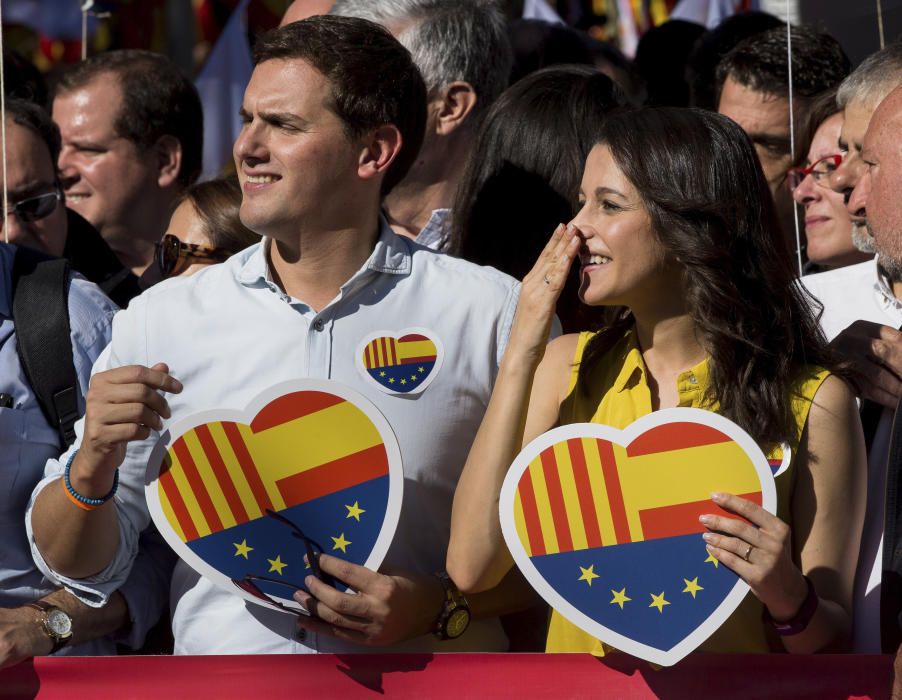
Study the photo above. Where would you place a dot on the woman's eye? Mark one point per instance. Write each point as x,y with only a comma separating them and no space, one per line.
608,205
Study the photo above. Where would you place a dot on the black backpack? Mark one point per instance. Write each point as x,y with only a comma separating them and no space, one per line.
40,286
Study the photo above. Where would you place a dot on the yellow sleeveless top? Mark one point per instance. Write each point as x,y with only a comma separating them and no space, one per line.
615,392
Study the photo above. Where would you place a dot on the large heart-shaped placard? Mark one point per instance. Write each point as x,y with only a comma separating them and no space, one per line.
604,525
316,453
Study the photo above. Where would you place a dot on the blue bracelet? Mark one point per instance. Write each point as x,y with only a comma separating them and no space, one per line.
92,502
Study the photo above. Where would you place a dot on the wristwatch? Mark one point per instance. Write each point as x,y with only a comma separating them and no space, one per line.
55,623
455,615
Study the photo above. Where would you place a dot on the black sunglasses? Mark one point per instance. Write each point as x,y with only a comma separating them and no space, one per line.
171,254
35,208
313,551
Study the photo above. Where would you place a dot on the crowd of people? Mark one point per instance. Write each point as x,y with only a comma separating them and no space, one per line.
409,164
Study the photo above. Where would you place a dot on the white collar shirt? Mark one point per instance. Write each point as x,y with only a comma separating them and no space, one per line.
849,294
436,234
229,332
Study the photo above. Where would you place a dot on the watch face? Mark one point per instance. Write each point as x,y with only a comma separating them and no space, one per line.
59,623
457,623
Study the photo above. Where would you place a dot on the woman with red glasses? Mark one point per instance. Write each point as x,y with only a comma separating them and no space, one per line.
827,225
204,229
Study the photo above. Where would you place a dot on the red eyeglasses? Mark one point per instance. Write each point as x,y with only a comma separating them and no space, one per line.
819,170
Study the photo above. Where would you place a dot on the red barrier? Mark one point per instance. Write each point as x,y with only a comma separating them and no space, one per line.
457,676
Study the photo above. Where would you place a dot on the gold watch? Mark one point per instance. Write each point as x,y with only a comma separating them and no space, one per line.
55,622
455,615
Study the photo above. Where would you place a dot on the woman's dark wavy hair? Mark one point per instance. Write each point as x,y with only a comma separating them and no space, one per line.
523,176
711,209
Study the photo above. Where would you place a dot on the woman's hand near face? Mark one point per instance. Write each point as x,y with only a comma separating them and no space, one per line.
539,295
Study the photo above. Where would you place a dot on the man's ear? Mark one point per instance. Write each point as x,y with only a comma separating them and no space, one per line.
456,102
168,152
380,149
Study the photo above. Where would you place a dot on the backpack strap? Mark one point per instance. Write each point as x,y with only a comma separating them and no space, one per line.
41,318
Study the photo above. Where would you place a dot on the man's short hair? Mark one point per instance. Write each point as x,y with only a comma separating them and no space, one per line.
373,79
36,119
876,76
157,100
449,39
759,63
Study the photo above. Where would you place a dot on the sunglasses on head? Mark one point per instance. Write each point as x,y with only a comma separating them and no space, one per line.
35,208
173,256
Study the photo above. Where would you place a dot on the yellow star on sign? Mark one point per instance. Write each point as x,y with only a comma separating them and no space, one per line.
692,586
588,575
657,601
404,381
413,377
391,380
242,549
355,511
341,543
276,565
381,374
620,597
421,369
711,559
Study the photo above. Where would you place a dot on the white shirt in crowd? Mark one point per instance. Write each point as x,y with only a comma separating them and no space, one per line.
849,294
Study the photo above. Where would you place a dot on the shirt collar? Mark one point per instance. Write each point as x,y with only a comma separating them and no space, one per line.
882,287
391,255
436,234
633,369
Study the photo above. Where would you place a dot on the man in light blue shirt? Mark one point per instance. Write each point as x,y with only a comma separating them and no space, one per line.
27,441
333,117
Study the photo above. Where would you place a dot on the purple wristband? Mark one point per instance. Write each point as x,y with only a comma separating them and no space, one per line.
799,622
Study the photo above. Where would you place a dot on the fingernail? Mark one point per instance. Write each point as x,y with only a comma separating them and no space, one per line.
708,537
717,497
299,597
176,386
709,548
308,580
705,519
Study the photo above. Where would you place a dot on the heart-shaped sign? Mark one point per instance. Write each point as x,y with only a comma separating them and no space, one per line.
242,496
604,525
405,362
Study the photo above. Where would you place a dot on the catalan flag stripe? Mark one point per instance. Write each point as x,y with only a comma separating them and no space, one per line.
612,487
584,491
599,492
248,502
543,506
197,486
556,500
531,515
571,498
239,514
247,466
179,510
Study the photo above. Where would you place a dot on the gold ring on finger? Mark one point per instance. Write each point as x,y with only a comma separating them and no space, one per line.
747,553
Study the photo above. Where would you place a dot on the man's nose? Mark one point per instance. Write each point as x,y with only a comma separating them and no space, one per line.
856,202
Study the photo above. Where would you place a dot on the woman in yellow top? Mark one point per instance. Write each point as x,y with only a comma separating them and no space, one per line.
677,236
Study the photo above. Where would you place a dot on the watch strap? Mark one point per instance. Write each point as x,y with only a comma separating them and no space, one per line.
454,600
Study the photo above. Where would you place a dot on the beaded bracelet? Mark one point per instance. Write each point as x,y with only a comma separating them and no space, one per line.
84,502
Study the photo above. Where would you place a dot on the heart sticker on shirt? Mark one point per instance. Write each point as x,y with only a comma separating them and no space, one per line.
309,466
400,363
604,525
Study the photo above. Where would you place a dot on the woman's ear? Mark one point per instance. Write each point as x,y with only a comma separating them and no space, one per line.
379,151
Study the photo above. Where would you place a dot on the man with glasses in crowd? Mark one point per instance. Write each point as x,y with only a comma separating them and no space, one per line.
862,315
333,117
